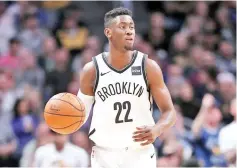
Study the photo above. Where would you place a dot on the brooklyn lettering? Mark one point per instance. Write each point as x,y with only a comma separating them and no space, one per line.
120,88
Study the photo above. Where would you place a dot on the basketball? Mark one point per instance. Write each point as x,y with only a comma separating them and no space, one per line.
64,113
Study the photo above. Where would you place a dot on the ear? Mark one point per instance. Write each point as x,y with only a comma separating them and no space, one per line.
107,32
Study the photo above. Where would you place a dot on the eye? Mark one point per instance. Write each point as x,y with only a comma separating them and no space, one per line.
122,26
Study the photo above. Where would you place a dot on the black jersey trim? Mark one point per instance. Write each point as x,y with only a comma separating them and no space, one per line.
150,100
144,71
146,80
97,73
125,68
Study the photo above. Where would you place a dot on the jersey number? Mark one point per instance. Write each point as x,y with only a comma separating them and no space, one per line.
119,106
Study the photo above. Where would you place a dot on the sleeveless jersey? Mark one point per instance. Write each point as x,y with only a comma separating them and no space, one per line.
122,102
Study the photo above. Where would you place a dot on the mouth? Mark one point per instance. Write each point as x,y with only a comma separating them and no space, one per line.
129,39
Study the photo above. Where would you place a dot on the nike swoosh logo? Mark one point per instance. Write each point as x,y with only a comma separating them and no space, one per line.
152,155
102,74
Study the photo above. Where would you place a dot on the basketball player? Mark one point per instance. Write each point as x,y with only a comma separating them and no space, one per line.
121,83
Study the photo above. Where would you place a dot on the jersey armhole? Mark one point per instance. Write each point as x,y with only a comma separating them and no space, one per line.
144,70
97,74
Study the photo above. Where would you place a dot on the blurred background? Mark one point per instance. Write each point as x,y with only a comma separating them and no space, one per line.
44,45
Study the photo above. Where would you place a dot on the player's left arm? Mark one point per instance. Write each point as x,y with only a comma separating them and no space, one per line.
163,100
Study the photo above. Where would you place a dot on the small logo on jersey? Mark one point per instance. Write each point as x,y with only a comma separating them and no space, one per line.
136,70
102,74
152,155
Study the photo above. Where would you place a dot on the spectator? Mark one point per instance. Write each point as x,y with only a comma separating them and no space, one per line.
46,60
206,82
24,124
210,37
209,59
226,29
182,131
6,23
156,35
94,43
53,10
205,128
19,10
71,36
61,153
32,36
226,60
226,84
34,97
172,155
11,60
192,28
227,138
42,137
8,144
179,44
57,80
80,139
175,80
8,94
29,72
187,101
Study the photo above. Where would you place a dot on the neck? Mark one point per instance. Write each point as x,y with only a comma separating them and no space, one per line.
59,147
119,59
12,53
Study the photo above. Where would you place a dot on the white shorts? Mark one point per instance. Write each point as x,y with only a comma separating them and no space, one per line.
123,158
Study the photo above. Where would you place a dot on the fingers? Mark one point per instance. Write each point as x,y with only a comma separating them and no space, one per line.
149,141
142,137
143,134
141,130
141,127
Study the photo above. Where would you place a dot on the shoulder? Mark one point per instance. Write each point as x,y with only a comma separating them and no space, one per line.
91,67
149,63
42,150
89,77
152,69
89,70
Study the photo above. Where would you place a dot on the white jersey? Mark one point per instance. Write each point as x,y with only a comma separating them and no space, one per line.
70,156
122,102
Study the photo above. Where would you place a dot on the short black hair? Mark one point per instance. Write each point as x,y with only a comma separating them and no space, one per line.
14,40
114,13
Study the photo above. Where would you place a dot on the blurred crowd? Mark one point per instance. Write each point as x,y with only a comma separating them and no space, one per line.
44,45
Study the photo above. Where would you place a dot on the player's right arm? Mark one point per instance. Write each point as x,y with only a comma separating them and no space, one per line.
87,83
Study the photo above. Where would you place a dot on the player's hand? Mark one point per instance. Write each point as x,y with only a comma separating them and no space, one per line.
145,134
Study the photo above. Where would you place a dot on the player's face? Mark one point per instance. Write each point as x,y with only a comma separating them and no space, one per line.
123,32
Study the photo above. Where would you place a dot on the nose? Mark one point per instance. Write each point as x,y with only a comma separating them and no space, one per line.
129,32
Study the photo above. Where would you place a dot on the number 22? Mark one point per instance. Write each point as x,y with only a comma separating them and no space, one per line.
119,106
